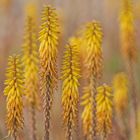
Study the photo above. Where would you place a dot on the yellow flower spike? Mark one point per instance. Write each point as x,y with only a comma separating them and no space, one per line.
70,77
127,31
49,38
92,40
120,87
129,50
31,71
31,62
49,35
14,92
87,112
104,110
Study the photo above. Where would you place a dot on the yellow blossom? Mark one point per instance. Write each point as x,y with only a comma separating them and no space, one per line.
70,77
30,61
92,40
87,115
104,110
127,31
49,38
120,87
14,92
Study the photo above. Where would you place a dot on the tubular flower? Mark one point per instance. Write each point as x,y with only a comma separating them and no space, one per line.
104,110
87,114
70,77
30,60
92,40
49,36
129,50
120,87
14,92
127,31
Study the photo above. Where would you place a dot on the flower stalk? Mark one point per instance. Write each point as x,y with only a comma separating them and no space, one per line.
128,47
92,40
31,62
70,94
49,37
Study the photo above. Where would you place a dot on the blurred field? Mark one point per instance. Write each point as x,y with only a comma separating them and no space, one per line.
74,14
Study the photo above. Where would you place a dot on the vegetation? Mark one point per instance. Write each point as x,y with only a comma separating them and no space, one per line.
104,109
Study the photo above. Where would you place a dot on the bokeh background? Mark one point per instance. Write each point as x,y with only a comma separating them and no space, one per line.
74,14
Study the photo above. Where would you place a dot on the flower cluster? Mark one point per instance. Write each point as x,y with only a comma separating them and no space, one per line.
14,92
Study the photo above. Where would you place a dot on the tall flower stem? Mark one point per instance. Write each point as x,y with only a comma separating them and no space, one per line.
33,122
94,106
31,62
133,90
70,93
47,106
49,38
92,41
129,51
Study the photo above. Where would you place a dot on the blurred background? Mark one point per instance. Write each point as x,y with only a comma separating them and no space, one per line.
74,14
